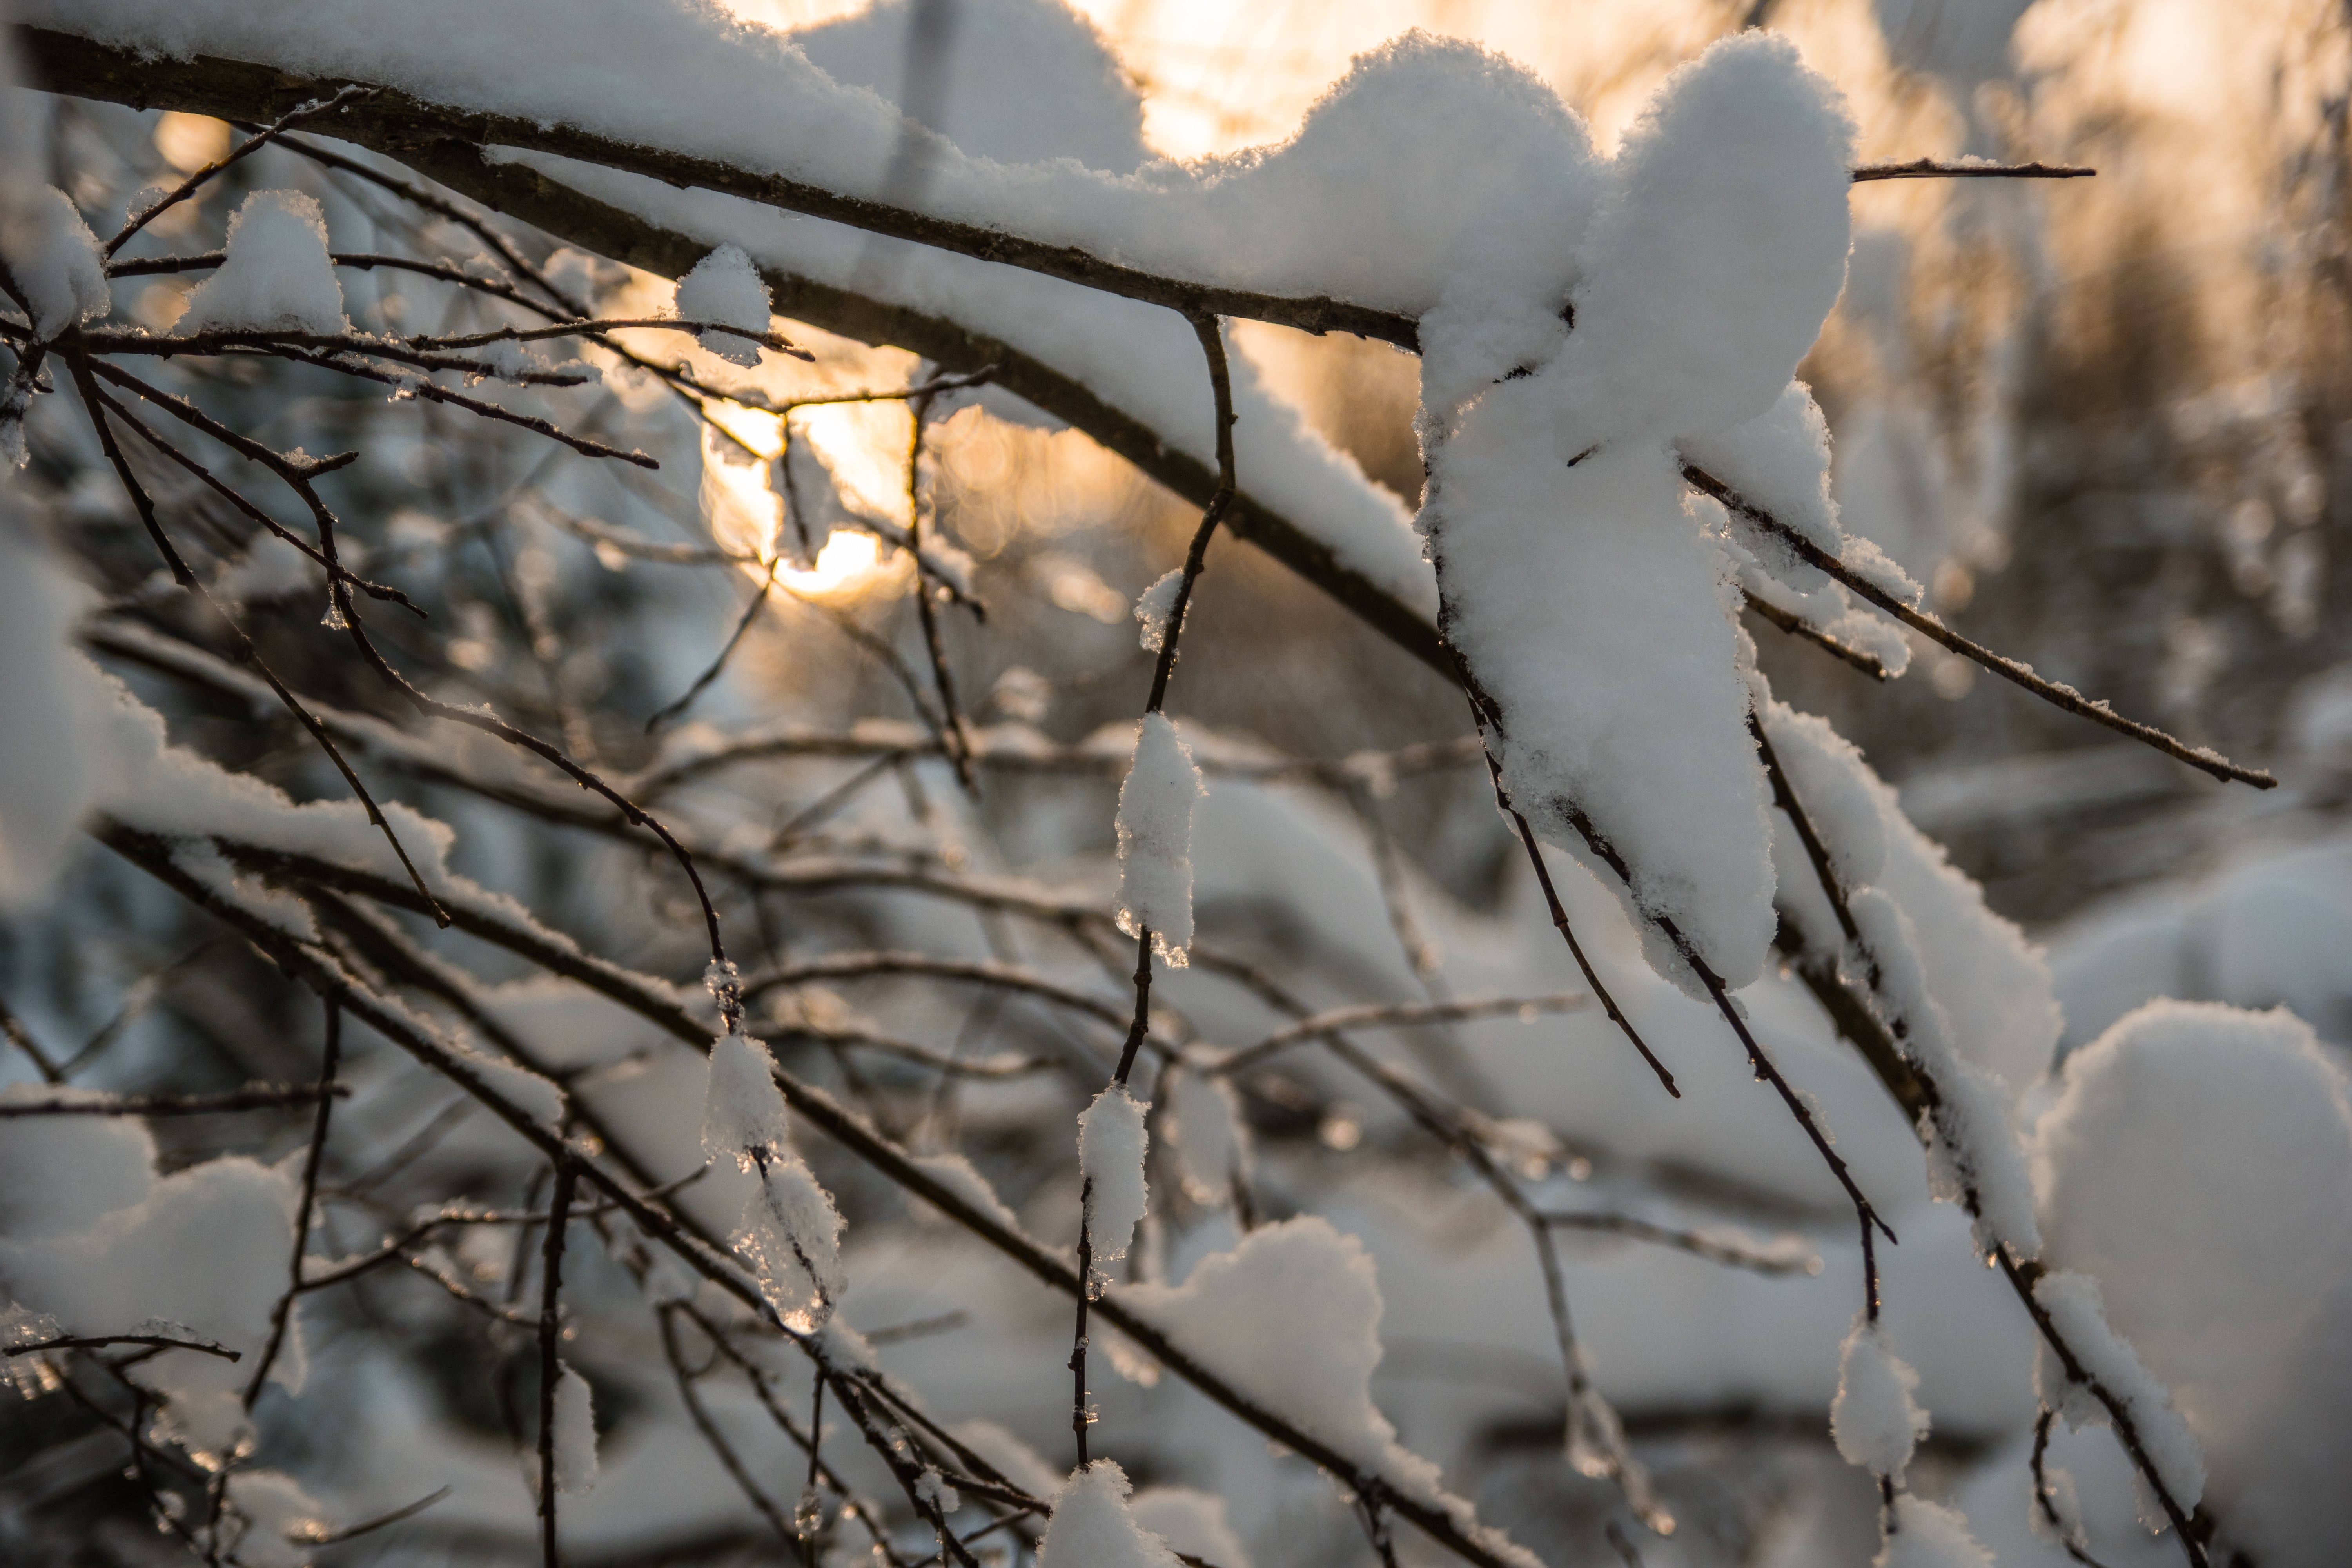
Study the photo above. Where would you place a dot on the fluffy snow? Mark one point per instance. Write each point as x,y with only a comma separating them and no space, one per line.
576,1433
52,705
1780,461
276,277
1111,1145
1873,1420
1092,113
1237,1313
60,1176
742,1109
1155,839
2197,1165
282,1518
2078,1312
725,290
1190,1521
1993,985
1587,595
1153,608
1923,1534
1092,1527
204,1250
55,261
786,1225
1975,1151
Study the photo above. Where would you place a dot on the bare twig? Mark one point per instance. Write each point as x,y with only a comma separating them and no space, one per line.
551,1365
329,1059
2065,696
1393,1015
1969,169
300,115
261,1097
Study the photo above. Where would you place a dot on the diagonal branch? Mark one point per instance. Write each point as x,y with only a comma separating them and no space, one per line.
2010,669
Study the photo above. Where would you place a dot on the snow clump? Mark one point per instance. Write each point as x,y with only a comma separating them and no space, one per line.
787,1227
276,277
2195,1172
1586,593
1873,1419
1093,1528
57,262
575,1433
726,289
1112,1140
1155,839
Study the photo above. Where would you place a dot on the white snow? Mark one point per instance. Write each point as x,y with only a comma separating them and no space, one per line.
204,1250
60,1176
276,277
786,1225
1154,606
932,1487
1780,461
1092,1528
52,705
1975,1148
1924,1534
281,1520
1190,1521
55,261
576,1433
1111,1146
1237,1313
724,289
742,1109
2197,1165
2077,1312
1587,595
1015,1460
1155,839
1874,1420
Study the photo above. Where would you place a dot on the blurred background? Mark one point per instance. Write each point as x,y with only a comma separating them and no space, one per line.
2108,421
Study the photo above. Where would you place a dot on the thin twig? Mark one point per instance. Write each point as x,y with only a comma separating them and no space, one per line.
261,1097
255,143
2065,696
1940,169
331,1058
551,1365
1394,1015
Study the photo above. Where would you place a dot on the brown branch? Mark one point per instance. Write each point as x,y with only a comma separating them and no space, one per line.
330,1058
22,1038
261,1097
2010,669
852,1132
551,1365
63,63
1391,1015
1921,1100
952,733
301,114
1937,169
100,1341
1798,626
96,404
1698,1243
